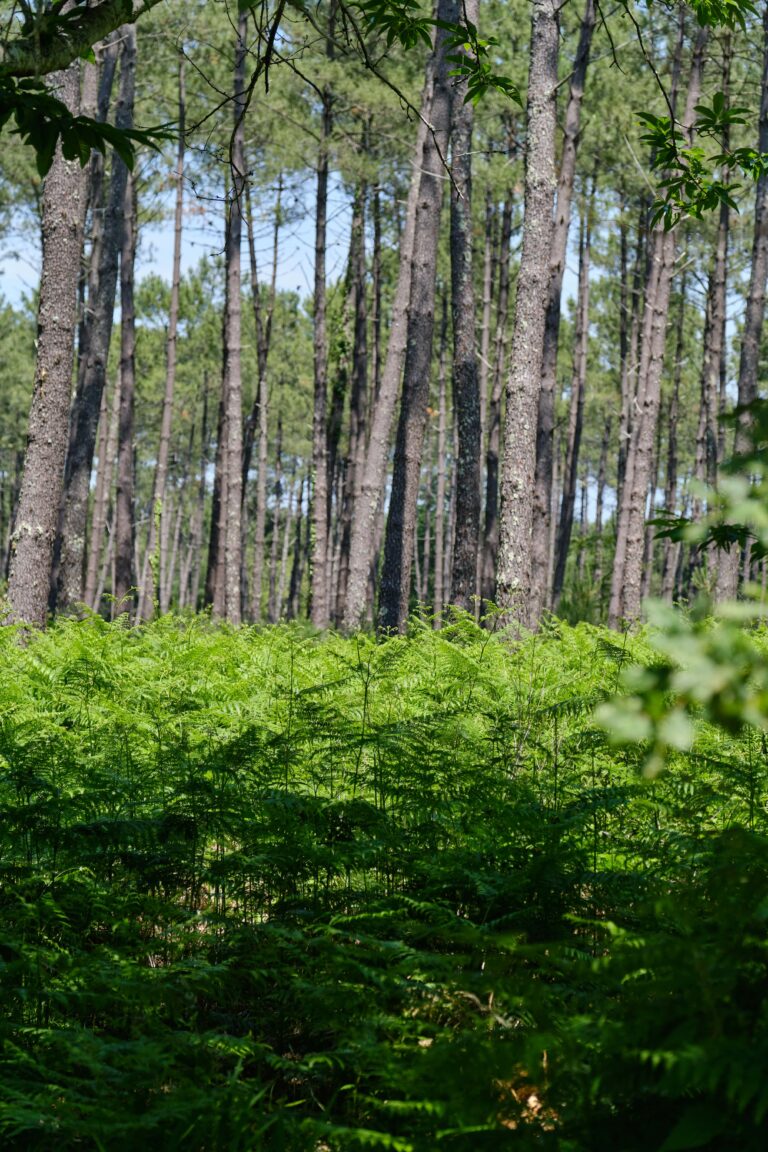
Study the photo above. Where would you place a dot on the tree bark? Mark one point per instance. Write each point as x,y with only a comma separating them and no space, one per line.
366,517
466,395
34,533
232,388
513,573
401,521
124,519
626,586
146,593
84,418
442,371
540,570
576,413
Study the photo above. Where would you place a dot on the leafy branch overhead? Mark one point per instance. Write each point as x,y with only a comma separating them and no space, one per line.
694,180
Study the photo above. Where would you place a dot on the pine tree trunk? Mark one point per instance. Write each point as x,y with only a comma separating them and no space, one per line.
626,587
576,413
232,389
63,218
274,603
358,397
491,525
466,395
442,372
513,572
669,554
259,415
368,506
104,476
751,337
540,570
146,593
322,477
124,521
401,520
84,418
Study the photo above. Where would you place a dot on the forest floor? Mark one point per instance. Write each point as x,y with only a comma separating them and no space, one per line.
265,889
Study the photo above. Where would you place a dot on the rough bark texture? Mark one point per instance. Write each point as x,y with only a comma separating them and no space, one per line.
366,516
492,453
540,568
124,520
84,418
146,593
401,521
466,396
232,388
575,416
34,533
439,590
513,572
321,478
626,586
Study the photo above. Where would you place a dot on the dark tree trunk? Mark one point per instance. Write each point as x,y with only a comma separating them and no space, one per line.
34,533
466,397
84,418
401,521
491,525
513,570
124,520
442,372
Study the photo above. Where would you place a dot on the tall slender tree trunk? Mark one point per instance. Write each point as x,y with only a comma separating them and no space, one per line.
63,218
146,593
257,424
493,448
669,553
540,570
358,396
124,519
751,337
104,476
626,587
84,418
367,513
576,413
466,394
322,479
232,389
442,372
513,572
401,521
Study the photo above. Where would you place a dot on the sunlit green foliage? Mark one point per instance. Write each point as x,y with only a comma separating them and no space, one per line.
260,889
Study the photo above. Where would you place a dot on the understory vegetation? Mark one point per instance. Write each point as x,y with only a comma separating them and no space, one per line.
265,889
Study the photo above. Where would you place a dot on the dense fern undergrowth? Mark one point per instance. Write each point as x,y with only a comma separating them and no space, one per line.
261,889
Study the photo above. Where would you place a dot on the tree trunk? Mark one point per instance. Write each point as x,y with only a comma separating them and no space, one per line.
124,520
232,389
442,371
366,516
322,479
353,468
728,572
513,574
401,521
107,456
540,571
491,525
146,593
34,533
626,587
466,396
576,413
259,415
274,603
84,418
